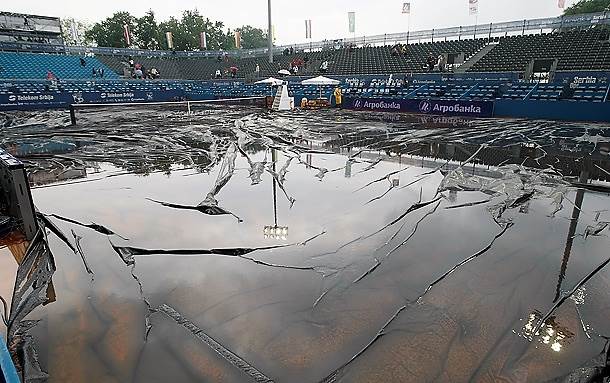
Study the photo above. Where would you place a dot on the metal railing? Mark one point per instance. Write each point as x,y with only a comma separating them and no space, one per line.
481,30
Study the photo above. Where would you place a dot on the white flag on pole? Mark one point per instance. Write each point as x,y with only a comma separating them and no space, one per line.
203,40
74,32
126,34
406,8
352,21
473,6
170,40
307,29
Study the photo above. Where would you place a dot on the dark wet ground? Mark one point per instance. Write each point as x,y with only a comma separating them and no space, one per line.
235,245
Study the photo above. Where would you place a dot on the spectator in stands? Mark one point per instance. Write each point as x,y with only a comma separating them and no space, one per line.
93,72
131,63
430,61
218,73
305,61
324,66
26,21
233,71
257,71
101,72
291,50
394,50
138,74
442,63
219,58
404,49
295,70
83,63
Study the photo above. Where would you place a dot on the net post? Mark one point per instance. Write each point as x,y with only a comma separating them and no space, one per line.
72,115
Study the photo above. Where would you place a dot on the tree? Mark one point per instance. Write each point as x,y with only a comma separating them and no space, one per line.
186,31
252,37
74,31
109,32
146,33
588,6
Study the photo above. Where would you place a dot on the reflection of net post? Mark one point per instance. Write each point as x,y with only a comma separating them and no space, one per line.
348,169
276,232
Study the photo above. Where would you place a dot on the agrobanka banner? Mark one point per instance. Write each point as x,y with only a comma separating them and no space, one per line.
461,108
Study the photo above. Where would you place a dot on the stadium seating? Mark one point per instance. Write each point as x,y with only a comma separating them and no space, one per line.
35,66
589,92
575,50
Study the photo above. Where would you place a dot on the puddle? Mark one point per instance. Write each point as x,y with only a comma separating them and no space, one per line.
235,245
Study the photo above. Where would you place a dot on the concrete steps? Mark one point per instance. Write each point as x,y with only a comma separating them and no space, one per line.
475,58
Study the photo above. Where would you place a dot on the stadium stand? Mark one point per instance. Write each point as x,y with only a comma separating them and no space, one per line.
575,50
545,71
35,66
346,61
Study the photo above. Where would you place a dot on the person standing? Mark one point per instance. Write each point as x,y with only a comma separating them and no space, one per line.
257,71
338,97
441,63
430,61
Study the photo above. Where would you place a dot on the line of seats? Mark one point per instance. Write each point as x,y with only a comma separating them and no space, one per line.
37,65
395,88
574,49
479,91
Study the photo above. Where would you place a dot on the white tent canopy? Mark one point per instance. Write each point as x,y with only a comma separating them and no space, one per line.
320,80
271,81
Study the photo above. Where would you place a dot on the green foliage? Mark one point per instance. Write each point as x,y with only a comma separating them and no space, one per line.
252,37
148,33
588,6
109,33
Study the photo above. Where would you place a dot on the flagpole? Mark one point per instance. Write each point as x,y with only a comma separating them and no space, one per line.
269,33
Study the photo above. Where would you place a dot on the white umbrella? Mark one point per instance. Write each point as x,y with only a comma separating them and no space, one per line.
284,72
319,81
271,80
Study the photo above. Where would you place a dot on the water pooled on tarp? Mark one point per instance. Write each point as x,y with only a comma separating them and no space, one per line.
369,247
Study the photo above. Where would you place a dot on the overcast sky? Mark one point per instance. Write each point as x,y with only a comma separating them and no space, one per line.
329,17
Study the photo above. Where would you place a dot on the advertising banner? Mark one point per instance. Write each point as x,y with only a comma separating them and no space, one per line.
63,100
462,108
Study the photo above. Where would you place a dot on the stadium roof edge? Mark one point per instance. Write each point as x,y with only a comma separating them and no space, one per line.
13,14
483,30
